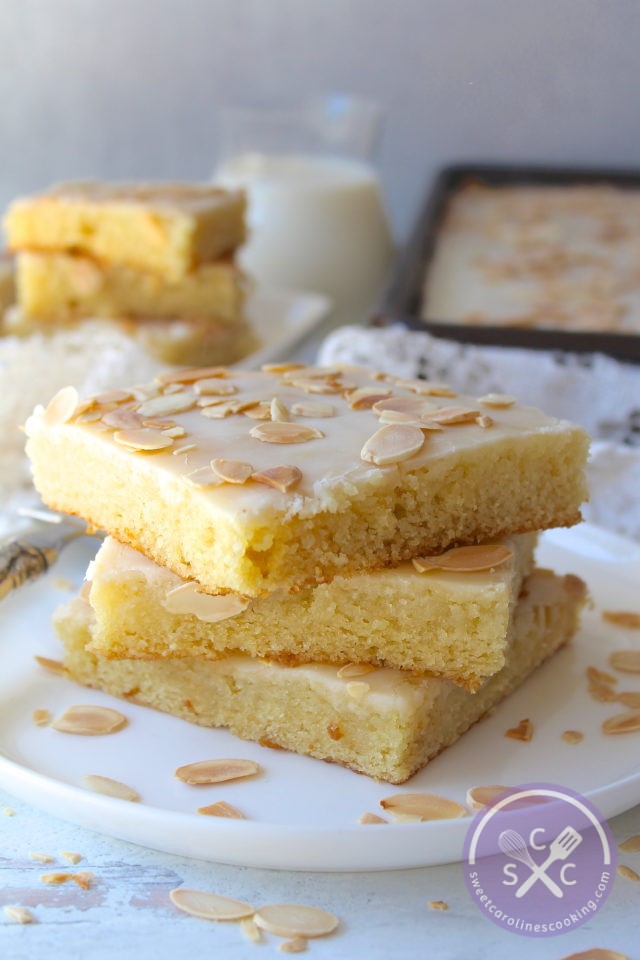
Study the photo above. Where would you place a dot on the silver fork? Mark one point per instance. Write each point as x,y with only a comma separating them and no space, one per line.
560,848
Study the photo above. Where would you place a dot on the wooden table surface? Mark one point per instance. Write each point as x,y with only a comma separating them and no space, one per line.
127,911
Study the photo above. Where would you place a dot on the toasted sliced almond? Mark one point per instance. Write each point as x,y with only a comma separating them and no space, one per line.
312,408
165,405
209,906
479,797
392,443
8,811
438,905
143,439
217,771
251,930
123,419
311,373
232,471
363,398
188,599
191,375
91,416
628,722
318,386
41,718
70,856
178,451
174,432
622,618
281,367
631,844
423,806
215,387
40,857
597,953
261,411
497,400
474,559
452,416
61,407
626,661
628,872
297,945
573,736
278,411
630,698
371,818
90,721
404,407
593,673
282,478
226,409
427,388
484,421
18,914
600,685
202,477
110,788
113,396
270,432
295,920
351,670
222,809
84,879
54,879
523,732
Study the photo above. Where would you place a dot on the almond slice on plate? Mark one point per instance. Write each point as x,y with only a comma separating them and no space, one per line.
622,618
479,797
423,806
209,906
628,722
222,809
626,661
110,788
217,771
523,732
89,721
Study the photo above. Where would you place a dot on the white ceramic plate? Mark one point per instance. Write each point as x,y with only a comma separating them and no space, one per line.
281,320
304,812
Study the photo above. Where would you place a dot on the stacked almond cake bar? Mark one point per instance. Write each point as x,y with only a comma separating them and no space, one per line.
329,560
157,258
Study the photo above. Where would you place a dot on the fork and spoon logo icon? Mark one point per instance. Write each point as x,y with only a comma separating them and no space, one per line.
513,845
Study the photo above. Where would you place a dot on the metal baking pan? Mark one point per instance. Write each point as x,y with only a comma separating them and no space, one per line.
401,301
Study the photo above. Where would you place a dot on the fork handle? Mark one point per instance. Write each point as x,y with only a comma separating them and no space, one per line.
20,562
540,874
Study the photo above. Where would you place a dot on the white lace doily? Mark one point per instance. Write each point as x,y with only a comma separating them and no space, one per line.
596,391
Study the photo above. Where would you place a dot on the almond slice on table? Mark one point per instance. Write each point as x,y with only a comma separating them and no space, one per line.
282,478
573,736
392,443
270,432
628,872
295,920
631,844
89,721
597,953
626,661
110,788
18,914
232,471
473,559
438,905
222,809
423,806
210,608
209,906
217,771
628,722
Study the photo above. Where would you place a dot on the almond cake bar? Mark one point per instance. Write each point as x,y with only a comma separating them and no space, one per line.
162,228
61,286
387,724
441,621
252,482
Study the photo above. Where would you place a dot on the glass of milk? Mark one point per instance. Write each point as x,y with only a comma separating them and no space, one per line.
316,214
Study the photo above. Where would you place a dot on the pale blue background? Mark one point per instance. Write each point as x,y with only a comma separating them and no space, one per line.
129,88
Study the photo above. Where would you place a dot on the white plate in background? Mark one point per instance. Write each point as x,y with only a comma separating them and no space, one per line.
303,812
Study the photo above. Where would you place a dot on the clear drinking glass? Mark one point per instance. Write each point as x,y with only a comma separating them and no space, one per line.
316,212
